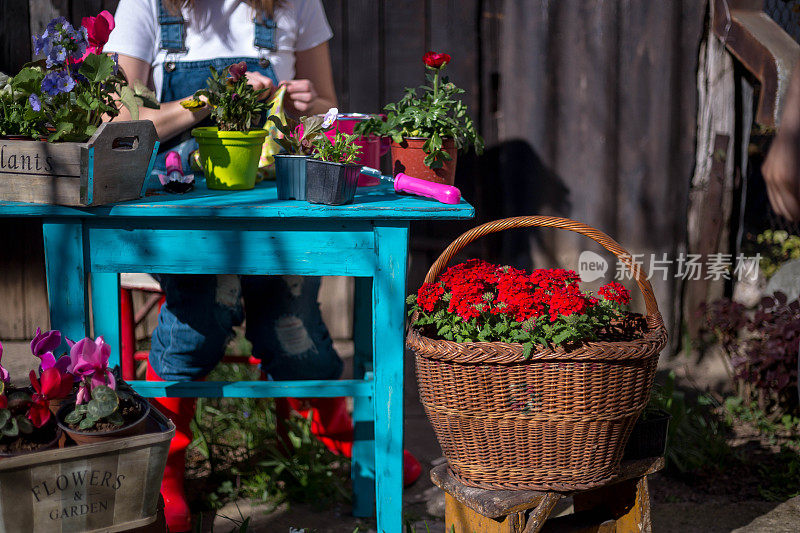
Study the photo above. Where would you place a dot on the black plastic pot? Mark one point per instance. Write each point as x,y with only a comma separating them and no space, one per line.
290,176
649,435
330,183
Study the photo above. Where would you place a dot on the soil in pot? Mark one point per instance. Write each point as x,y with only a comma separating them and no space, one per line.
330,183
43,438
134,411
408,157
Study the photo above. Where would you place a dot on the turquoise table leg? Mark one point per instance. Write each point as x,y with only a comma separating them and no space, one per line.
105,311
66,277
388,293
362,468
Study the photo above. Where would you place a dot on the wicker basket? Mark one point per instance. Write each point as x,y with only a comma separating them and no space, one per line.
557,420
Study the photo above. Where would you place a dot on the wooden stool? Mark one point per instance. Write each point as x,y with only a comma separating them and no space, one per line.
622,505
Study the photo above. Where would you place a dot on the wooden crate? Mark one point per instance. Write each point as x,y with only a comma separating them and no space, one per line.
110,167
109,486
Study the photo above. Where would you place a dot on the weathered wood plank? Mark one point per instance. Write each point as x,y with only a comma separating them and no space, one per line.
62,190
404,22
14,17
231,251
364,58
121,153
12,266
336,12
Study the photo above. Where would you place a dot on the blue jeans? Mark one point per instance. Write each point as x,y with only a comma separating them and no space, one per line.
284,325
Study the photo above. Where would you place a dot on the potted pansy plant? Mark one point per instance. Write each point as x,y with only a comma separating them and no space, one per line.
105,407
72,97
65,96
427,126
331,172
230,151
297,139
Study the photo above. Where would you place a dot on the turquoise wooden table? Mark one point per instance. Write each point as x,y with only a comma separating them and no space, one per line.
251,232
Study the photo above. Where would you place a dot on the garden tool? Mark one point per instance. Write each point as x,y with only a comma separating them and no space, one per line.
181,412
175,180
403,183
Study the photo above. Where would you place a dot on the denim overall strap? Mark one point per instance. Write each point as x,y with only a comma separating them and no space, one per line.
265,33
173,30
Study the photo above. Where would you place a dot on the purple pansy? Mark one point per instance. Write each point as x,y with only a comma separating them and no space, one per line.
57,56
56,82
36,104
90,359
65,83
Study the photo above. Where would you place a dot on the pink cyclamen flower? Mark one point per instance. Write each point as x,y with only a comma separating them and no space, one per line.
83,394
45,342
98,29
90,359
4,377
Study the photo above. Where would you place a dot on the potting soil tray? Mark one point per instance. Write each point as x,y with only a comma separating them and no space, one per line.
108,486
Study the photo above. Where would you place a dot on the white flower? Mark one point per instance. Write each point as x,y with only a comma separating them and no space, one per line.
330,117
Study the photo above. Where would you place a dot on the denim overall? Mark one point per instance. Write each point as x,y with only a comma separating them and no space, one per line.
284,323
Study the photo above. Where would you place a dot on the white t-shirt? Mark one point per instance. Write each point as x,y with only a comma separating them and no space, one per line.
218,28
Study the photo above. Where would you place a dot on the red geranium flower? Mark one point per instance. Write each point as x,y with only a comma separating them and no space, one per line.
434,60
614,292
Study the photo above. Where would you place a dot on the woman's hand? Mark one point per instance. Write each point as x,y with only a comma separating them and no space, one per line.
781,171
259,81
300,96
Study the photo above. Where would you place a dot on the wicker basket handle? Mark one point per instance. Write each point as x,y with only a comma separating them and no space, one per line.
550,222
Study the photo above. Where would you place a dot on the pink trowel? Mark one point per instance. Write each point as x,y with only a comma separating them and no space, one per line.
446,194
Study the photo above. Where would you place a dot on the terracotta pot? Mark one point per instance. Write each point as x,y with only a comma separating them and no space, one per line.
89,437
408,157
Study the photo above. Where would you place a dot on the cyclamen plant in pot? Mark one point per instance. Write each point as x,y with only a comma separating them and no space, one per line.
65,96
229,152
26,423
296,139
331,173
105,407
427,126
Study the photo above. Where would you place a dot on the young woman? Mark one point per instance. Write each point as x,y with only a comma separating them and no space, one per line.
169,45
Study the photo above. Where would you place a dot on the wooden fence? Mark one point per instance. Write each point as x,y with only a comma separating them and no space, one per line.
587,107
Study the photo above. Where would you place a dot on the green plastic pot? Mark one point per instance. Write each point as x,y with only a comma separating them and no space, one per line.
229,158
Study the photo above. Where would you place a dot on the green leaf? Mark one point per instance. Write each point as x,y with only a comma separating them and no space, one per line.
11,429
145,95
97,68
87,423
28,80
128,99
74,417
62,129
5,416
24,424
116,418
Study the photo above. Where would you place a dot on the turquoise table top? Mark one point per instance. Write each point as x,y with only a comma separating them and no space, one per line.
378,202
